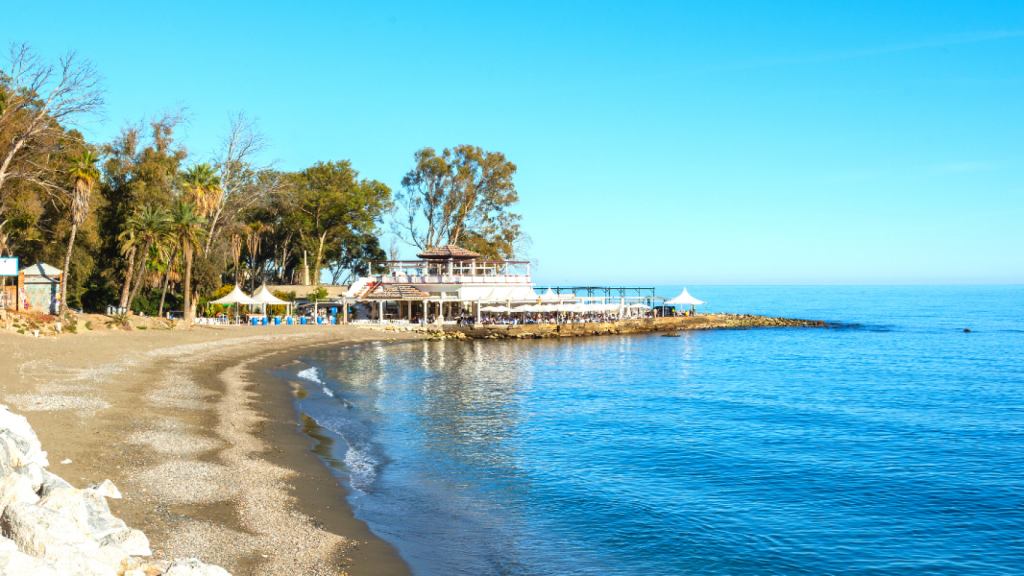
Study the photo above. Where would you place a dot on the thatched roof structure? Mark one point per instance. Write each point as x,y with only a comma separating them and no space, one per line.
446,252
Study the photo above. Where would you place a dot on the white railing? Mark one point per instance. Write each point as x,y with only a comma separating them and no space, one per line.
404,279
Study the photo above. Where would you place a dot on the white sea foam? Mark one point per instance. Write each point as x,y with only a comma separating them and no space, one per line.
312,374
361,466
328,392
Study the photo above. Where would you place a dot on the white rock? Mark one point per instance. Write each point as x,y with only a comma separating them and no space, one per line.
50,535
66,461
15,563
35,528
193,567
133,542
16,488
83,559
51,482
101,521
107,489
71,503
33,472
7,544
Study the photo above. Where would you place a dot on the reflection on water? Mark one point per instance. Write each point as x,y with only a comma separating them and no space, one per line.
851,451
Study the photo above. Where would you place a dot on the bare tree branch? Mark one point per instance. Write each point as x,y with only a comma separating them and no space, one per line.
38,100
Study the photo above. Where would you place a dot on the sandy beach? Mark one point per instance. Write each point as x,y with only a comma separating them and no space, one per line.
202,441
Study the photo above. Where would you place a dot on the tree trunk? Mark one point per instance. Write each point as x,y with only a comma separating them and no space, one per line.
138,276
167,279
64,274
189,315
128,278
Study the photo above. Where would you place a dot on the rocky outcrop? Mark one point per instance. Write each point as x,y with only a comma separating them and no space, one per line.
627,326
50,528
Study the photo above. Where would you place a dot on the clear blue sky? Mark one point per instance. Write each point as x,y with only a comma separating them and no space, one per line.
675,143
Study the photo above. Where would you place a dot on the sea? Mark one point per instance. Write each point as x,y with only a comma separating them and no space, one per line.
891,442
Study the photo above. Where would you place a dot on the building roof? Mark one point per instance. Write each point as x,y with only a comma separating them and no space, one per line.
41,269
447,251
41,273
396,292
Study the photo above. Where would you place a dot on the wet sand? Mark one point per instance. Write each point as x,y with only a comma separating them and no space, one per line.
203,442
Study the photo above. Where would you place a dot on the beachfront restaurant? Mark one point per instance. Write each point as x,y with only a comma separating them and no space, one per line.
451,284
445,283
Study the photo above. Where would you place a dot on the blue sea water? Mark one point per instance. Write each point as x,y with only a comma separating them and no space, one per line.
892,443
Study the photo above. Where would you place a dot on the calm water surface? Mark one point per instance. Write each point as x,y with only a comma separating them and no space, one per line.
893,445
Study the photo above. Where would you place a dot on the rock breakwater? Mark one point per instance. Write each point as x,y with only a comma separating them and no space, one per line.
50,528
628,326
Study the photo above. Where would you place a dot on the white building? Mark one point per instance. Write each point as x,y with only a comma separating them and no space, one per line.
445,282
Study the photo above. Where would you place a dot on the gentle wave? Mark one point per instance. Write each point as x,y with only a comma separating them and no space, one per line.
361,466
311,374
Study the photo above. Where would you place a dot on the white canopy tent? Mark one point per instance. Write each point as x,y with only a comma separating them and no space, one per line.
236,296
550,296
684,298
264,297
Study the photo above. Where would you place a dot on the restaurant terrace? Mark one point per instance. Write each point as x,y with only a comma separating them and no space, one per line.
450,283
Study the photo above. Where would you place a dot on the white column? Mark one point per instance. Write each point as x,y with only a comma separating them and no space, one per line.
380,308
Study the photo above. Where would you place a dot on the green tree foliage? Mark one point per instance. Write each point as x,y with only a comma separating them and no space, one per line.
334,210
139,219
461,196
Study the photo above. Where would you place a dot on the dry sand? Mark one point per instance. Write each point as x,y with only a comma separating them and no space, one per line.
202,442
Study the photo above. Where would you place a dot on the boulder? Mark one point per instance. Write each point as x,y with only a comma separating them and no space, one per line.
15,563
51,482
35,528
106,489
33,472
15,488
100,521
7,544
71,503
50,535
133,542
193,567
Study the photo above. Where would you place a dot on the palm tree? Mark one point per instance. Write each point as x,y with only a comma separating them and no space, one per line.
144,230
187,227
84,173
202,185
255,230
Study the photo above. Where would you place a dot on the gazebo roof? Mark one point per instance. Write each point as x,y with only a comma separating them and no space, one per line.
395,292
447,251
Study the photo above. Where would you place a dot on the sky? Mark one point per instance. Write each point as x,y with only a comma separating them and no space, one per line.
656,143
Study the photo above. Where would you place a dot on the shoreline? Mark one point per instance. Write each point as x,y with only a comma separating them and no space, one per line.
317,490
202,441
207,442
